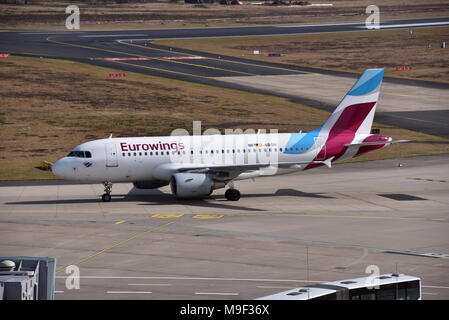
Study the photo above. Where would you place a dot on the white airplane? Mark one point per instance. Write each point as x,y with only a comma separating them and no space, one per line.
194,166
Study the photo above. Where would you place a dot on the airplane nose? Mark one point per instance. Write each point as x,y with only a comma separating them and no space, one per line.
57,169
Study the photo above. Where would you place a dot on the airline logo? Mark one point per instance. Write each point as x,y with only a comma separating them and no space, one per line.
87,164
175,146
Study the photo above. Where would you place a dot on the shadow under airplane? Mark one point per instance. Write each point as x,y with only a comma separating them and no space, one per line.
157,197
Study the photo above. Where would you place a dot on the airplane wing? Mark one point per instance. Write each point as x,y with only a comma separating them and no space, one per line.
374,143
247,167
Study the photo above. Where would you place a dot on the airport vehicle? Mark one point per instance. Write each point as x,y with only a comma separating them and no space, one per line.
384,287
195,165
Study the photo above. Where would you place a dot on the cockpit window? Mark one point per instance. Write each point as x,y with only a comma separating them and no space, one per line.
80,154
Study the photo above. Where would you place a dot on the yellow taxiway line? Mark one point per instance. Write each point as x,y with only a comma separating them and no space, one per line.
97,253
198,215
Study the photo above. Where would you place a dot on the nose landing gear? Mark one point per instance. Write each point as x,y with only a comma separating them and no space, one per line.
106,197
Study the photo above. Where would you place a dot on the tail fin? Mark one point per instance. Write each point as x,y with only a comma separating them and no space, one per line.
355,113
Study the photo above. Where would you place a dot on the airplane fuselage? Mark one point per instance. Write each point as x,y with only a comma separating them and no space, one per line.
153,158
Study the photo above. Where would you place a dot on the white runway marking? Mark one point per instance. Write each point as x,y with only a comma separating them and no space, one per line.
270,287
128,292
112,35
150,284
424,24
430,293
318,25
196,278
60,32
218,293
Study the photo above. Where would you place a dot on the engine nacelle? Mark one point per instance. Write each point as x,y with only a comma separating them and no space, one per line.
193,185
149,184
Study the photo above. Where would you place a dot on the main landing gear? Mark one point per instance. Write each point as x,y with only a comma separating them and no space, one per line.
106,197
232,194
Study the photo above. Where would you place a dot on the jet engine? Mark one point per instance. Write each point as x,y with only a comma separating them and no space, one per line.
193,185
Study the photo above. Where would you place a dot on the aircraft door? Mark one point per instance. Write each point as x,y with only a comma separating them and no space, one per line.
111,155
320,144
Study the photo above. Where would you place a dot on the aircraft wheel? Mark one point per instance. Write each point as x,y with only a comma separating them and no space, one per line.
232,194
106,197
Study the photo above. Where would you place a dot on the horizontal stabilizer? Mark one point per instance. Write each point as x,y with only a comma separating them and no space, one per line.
327,162
374,143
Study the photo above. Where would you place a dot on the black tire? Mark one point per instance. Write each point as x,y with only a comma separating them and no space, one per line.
106,197
232,194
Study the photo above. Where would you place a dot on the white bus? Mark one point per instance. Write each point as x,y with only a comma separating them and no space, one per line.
384,287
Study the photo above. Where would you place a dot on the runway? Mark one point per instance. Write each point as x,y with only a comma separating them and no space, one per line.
133,51
286,231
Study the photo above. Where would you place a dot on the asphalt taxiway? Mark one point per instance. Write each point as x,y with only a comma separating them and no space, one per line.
412,104
286,231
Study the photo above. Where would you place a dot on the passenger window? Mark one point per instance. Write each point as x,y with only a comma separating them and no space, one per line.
386,292
413,291
123,154
402,294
